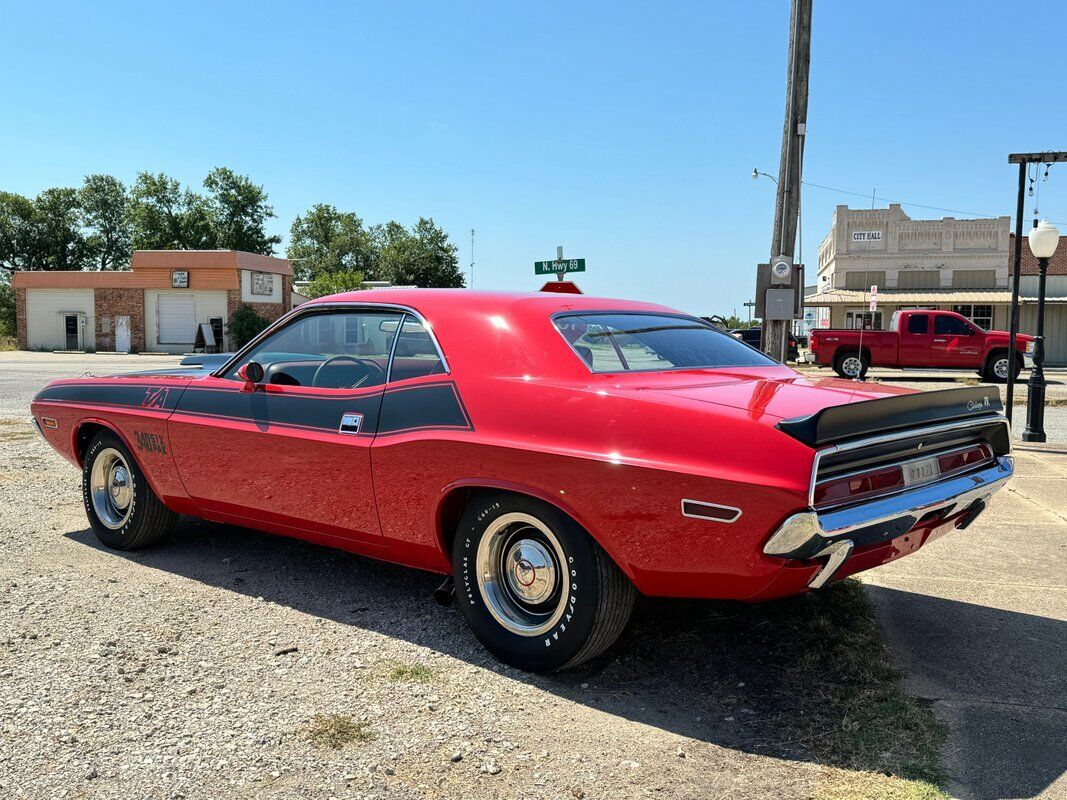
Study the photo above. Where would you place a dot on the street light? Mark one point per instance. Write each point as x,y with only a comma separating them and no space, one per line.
756,173
1043,239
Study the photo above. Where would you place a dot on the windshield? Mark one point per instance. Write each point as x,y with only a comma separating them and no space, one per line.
642,342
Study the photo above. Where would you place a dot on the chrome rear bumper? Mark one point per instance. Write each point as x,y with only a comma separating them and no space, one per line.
833,534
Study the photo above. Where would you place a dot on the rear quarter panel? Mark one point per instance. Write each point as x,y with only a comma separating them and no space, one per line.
620,465
136,409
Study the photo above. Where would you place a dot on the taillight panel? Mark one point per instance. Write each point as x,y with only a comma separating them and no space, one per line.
887,479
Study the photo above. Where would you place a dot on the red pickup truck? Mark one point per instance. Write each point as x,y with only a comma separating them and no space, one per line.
921,339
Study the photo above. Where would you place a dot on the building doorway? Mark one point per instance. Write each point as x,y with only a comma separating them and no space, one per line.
854,320
72,332
122,334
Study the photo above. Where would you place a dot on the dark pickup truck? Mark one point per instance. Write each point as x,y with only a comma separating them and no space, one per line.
921,339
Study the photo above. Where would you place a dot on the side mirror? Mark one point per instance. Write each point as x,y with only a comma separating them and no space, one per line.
252,374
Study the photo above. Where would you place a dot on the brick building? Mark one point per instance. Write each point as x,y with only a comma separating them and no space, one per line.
155,306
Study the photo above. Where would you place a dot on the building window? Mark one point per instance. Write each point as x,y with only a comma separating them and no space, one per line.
982,316
919,279
854,320
862,281
974,279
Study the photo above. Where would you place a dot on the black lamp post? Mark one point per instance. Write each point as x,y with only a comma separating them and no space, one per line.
1043,240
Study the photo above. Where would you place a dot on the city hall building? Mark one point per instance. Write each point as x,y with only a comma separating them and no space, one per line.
960,265
158,305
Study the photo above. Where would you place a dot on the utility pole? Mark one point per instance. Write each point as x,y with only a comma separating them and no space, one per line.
787,202
472,258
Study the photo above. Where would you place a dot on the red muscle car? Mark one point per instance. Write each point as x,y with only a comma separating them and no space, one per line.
554,454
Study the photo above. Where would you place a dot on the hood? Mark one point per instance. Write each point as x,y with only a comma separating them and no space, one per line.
772,398
1005,335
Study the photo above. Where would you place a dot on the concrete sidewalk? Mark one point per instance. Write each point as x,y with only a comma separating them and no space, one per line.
978,619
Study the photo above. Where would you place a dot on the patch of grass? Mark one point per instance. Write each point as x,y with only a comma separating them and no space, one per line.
838,784
417,673
857,714
336,731
8,343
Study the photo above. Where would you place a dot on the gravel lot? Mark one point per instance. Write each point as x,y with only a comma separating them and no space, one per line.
197,669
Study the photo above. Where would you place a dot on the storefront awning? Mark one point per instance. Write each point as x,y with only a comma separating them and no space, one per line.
920,297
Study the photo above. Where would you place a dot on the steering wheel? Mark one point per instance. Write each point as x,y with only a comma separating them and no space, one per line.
370,369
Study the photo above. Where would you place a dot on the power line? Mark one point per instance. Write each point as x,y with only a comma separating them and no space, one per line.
906,202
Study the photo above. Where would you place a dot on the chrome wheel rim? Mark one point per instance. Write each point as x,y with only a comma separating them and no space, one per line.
851,366
111,488
1000,368
522,575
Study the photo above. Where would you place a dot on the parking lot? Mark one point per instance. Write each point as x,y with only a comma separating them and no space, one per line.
229,663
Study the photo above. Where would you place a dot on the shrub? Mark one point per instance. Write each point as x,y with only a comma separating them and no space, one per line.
245,325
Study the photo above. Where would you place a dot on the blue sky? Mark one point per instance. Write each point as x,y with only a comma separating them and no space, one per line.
626,132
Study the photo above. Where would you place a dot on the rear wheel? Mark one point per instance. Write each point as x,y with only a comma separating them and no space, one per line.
535,588
851,364
123,511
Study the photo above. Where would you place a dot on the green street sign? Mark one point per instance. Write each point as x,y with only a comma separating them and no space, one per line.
561,265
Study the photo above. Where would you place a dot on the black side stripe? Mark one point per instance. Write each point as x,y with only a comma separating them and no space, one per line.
433,406
139,395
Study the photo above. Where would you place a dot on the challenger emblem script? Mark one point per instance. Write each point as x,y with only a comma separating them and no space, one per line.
151,442
977,405
155,397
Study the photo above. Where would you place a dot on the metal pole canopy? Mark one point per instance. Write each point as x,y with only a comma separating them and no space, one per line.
1023,160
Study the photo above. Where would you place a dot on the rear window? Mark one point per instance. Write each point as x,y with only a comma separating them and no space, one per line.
635,342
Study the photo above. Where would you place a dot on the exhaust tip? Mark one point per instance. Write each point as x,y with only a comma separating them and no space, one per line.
445,594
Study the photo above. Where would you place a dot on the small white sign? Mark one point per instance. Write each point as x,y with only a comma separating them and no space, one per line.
866,236
179,279
874,297
262,283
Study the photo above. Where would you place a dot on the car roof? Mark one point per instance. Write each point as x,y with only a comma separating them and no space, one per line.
428,301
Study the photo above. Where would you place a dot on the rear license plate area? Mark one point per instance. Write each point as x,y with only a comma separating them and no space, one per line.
922,470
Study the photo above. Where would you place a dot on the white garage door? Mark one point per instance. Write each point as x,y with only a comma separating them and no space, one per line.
176,318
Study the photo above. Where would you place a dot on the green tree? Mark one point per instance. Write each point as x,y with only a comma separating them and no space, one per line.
422,256
21,247
57,214
239,212
326,240
166,217
7,307
342,280
105,213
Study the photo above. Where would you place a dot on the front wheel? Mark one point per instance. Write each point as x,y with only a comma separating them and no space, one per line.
535,588
997,366
123,511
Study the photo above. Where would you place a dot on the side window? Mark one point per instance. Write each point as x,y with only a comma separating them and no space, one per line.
415,354
918,323
593,343
332,350
951,326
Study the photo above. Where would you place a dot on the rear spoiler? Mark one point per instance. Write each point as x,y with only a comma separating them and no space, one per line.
885,415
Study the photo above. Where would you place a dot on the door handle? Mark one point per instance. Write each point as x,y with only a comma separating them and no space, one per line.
942,341
351,423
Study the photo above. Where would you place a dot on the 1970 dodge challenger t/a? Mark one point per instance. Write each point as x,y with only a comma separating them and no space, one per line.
554,454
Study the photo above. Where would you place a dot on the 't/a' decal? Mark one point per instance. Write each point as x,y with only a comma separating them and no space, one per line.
155,397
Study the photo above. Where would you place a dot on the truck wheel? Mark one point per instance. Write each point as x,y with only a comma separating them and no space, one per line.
123,511
996,367
535,588
851,364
